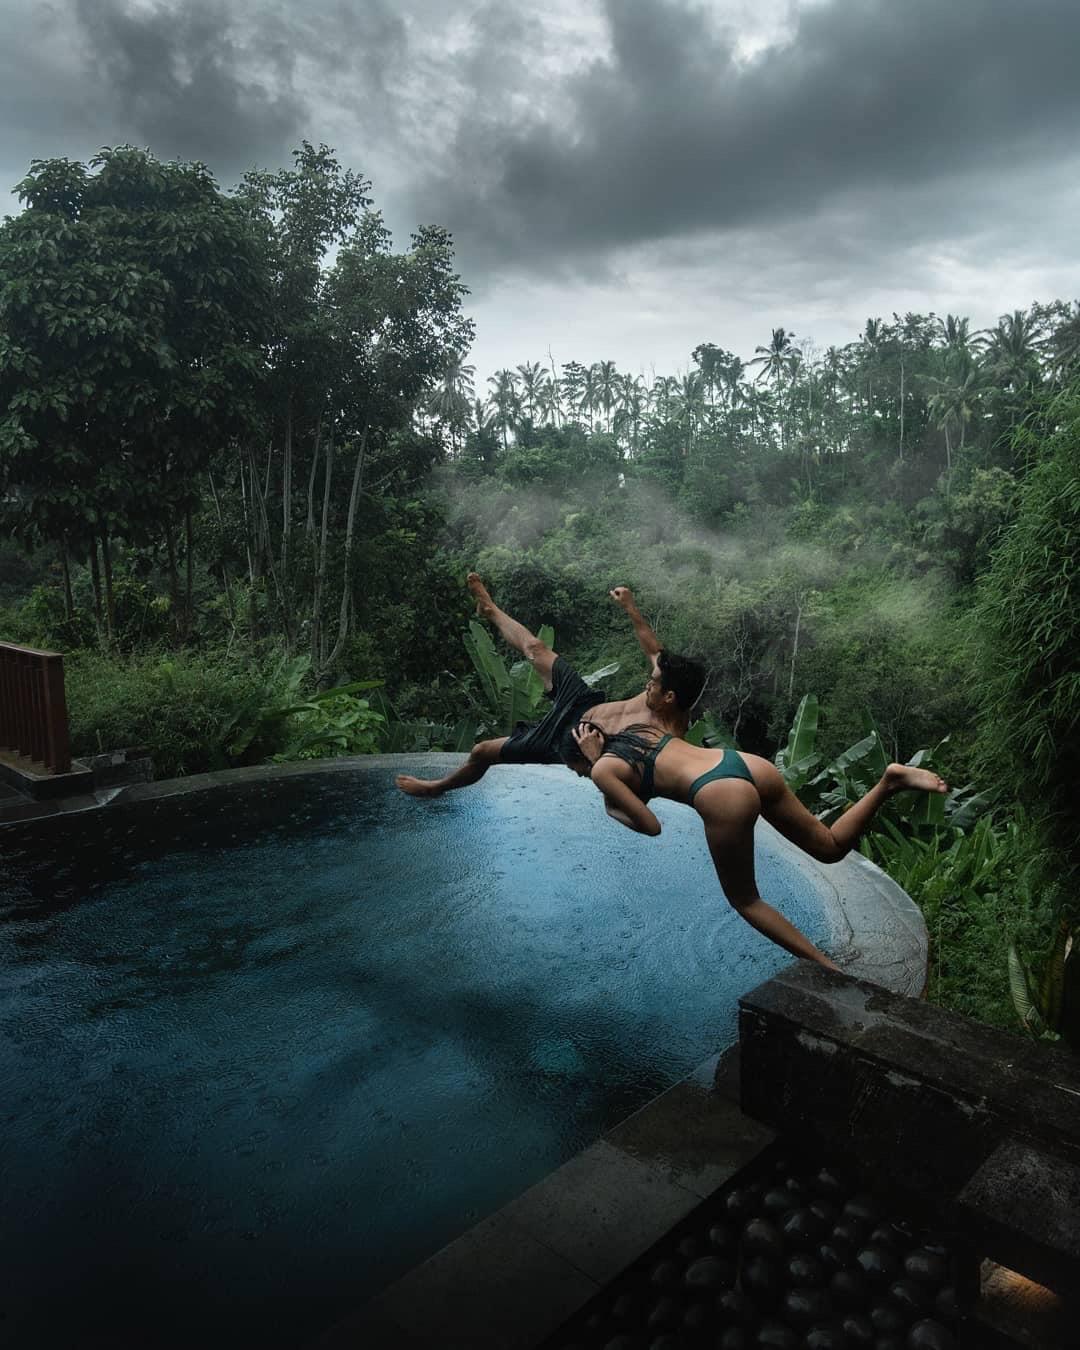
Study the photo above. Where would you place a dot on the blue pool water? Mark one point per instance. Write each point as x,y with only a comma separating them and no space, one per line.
263,1048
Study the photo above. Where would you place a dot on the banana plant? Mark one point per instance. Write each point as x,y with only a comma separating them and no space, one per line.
798,759
515,694
708,732
260,729
1049,1008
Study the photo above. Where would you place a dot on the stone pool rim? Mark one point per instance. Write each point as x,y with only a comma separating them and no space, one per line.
879,932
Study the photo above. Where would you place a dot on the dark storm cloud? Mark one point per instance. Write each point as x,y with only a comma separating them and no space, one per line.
232,84
670,134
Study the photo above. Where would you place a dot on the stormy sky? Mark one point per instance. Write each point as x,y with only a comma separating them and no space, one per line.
623,178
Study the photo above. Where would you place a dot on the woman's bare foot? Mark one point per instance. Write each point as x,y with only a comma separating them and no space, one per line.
418,787
901,777
484,602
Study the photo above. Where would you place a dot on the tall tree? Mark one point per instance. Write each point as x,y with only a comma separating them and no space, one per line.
132,312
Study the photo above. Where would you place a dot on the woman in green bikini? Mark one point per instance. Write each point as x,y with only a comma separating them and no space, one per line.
729,791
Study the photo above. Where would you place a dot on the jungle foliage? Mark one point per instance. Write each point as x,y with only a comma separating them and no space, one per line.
244,469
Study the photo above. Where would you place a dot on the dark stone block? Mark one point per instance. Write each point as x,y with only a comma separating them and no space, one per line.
865,1070
1024,1204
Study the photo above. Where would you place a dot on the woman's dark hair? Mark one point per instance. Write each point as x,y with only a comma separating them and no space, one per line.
568,749
682,677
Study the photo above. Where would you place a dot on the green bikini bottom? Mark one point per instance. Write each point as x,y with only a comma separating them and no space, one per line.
731,766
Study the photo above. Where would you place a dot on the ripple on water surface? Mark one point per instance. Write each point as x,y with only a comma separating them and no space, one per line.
284,1041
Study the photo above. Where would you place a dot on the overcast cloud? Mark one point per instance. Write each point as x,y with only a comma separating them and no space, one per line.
624,178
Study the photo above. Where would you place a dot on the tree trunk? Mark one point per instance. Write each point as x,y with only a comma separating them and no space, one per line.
317,648
309,528
286,618
794,653
286,495
354,497
189,587
65,562
110,599
901,408
174,575
225,577
95,577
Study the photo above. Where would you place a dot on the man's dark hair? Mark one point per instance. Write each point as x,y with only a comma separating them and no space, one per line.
682,677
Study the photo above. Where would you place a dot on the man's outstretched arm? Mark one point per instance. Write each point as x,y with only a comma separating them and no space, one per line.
650,643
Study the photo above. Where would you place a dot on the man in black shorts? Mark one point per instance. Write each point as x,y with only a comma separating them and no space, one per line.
673,687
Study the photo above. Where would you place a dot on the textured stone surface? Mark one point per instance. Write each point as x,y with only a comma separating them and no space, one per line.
601,1209
693,1137
1024,1203
851,1061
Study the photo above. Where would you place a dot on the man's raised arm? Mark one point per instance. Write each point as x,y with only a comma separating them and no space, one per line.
650,643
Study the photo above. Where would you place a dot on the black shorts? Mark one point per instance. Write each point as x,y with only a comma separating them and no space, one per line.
538,742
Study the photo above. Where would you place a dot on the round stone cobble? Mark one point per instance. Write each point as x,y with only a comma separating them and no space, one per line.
793,1252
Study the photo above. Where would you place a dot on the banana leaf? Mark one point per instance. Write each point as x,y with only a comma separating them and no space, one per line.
531,685
929,810
707,731
852,755
1020,989
801,738
494,677
878,762
463,736
601,674
963,811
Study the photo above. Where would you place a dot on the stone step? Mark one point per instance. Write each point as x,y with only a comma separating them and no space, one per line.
1023,1208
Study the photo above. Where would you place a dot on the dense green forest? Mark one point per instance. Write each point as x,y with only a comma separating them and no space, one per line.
245,466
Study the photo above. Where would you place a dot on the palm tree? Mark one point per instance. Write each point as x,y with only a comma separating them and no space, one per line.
607,387
548,401
505,400
449,400
1063,345
633,401
690,406
589,395
773,361
954,399
955,332
1010,351
531,373
710,360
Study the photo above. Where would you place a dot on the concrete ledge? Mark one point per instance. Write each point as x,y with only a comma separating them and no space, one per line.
32,779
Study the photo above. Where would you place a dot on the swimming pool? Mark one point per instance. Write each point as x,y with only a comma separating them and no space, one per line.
264,1047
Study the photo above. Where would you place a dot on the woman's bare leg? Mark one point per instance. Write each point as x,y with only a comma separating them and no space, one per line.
729,810
829,843
516,634
482,756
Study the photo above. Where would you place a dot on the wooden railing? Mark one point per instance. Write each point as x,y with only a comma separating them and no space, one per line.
33,709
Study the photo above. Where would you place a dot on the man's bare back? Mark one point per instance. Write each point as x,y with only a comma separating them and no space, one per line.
655,706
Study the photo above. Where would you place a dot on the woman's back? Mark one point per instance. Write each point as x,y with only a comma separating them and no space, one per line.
668,766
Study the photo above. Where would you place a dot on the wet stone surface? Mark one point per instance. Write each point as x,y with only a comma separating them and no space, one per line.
795,1252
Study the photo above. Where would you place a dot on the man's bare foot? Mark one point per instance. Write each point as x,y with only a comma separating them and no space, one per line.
900,777
484,602
418,787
